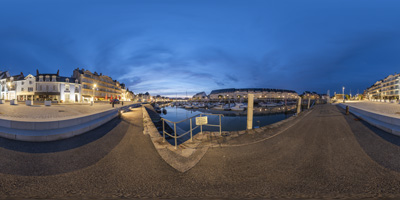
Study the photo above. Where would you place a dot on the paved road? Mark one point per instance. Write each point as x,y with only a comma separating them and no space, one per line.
326,155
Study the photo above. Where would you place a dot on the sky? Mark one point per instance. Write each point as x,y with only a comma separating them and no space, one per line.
178,47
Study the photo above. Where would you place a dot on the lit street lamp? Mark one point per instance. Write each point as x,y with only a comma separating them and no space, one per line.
343,93
94,86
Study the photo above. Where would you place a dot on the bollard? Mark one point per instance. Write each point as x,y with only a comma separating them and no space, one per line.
299,105
250,105
347,110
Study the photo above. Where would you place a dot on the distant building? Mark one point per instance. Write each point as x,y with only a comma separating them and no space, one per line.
259,93
387,88
106,87
200,95
310,95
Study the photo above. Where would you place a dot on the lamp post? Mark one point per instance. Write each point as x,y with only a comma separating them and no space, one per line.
8,90
94,86
343,94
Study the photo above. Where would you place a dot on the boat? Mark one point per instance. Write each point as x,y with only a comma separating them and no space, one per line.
271,104
227,107
202,105
218,107
188,106
238,107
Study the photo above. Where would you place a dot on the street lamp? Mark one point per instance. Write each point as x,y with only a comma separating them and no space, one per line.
343,93
94,86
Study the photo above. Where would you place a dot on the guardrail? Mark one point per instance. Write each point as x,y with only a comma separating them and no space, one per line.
175,136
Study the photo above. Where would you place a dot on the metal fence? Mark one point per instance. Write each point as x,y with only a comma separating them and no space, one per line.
175,136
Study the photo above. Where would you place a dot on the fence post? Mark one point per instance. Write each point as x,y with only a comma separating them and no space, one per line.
220,131
176,143
191,134
163,129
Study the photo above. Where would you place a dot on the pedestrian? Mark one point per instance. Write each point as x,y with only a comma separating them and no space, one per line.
122,103
113,104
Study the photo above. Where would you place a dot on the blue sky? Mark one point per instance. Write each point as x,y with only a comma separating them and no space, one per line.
171,47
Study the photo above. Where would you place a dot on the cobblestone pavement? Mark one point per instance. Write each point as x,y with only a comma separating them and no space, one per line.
326,155
392,109
55,111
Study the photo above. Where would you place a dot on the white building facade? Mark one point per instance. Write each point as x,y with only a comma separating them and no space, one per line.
56,88
25,88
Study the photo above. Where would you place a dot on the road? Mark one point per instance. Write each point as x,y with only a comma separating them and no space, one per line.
326,155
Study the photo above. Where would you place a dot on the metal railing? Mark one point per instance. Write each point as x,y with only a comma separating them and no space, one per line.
176,137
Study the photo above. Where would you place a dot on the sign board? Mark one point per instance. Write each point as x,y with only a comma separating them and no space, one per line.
201,121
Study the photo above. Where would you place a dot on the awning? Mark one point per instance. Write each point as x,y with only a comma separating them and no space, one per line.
87,96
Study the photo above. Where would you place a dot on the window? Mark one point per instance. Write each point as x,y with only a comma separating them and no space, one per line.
30,82
47,78
40,88
30,89
54,88
22,89
22,82
47,88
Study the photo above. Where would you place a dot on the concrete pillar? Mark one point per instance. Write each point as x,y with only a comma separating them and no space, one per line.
308,106
250,105
299,106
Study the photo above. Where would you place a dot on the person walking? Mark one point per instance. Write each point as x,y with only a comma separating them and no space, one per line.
113,103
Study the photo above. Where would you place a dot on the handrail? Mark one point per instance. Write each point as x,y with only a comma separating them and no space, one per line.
175,136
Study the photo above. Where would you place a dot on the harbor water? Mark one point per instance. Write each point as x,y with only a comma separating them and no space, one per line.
231,121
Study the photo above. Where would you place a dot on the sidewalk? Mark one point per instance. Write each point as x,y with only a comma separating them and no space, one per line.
389,109
22,112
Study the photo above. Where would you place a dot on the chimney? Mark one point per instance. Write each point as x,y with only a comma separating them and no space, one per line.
58,72
22,74
37,72
101,74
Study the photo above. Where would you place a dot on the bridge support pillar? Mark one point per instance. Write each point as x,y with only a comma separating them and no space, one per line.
299,105
250,105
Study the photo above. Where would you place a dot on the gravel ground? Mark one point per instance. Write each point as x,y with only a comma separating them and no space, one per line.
326,155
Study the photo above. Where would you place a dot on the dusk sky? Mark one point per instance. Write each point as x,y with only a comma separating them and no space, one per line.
171,47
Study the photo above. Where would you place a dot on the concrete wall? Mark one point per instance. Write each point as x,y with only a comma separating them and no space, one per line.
41,131
385,122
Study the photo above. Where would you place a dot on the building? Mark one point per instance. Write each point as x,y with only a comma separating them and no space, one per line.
200,96
54,87
9,85
25,88
310,95
97,86
385,89
259,94
3,84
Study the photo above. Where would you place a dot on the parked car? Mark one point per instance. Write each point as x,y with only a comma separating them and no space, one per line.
116,101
